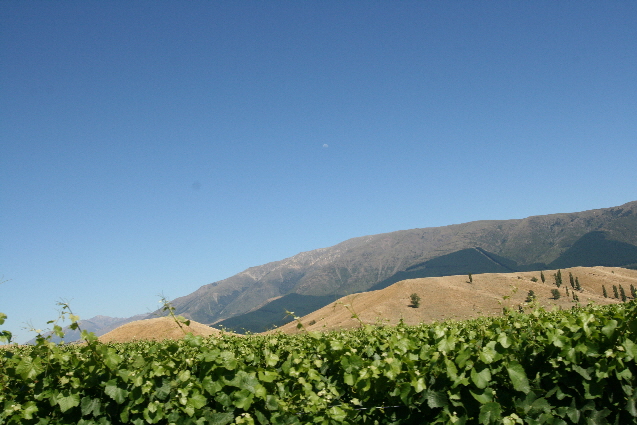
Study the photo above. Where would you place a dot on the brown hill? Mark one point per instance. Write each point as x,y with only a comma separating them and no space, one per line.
453,297
156,329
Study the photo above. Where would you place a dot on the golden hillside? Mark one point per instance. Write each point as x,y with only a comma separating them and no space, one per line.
453,297
156,329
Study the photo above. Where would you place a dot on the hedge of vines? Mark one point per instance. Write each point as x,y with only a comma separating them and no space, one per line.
567,367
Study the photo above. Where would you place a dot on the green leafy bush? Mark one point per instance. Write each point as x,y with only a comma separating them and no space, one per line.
555,293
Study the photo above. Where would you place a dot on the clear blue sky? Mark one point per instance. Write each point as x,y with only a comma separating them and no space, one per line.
152,147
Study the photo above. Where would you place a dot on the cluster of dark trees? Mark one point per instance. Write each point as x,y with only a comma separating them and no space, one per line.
620,292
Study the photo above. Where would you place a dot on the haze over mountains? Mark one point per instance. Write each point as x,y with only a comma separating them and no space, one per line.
99,325
257,299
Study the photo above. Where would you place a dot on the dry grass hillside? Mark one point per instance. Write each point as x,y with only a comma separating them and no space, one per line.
453,297
156,329
442,298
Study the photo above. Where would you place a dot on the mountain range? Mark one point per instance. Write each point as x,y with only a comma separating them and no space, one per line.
263,297
258,298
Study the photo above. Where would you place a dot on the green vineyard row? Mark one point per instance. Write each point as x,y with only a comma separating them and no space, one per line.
565,367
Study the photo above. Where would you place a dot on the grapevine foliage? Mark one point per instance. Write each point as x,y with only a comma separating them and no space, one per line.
567,367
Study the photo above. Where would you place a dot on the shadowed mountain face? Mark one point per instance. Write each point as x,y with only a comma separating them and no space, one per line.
598,237
276,313
595,249
465,261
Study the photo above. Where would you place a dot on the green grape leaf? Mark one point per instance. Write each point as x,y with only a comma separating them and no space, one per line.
29,368
114,392
490,413
197,401
68,402
482,378
221,418
518,377
91,406
436,399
